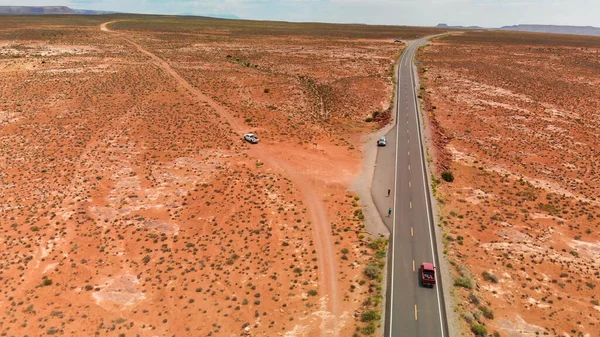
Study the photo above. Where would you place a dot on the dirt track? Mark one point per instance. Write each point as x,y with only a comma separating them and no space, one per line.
264,152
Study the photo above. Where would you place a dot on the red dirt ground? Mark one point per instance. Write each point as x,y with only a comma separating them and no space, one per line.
130,204
515,118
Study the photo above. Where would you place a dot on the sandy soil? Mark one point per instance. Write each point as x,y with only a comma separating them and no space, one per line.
131,205
515,117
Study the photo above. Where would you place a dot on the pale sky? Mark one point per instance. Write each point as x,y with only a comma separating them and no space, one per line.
485,13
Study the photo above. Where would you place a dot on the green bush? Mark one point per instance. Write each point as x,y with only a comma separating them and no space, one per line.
448,176
463,282
369,120
479,330
369,329
369,316
487,313
312,292
47,282
266,91
371,271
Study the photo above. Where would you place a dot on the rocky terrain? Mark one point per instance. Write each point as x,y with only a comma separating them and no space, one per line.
130,206
514,117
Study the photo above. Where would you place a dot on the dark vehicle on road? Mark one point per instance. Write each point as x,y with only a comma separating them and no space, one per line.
427,274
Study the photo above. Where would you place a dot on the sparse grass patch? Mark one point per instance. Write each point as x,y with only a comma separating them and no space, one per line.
462,282
490,277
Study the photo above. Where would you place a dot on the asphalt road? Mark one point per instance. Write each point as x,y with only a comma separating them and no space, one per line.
411,310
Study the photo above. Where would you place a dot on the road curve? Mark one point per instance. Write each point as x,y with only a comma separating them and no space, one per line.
411,310
326,259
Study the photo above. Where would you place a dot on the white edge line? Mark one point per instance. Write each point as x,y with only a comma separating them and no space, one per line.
395,193
426,191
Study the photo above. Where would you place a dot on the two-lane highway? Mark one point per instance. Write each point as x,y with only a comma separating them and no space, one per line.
411,310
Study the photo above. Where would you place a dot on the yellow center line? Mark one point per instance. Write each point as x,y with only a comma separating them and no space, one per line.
416,315
413,265
412,233
411,205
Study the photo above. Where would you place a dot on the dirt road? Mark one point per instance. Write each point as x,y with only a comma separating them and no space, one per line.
312,198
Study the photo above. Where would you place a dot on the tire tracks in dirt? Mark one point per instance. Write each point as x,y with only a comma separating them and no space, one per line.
328,273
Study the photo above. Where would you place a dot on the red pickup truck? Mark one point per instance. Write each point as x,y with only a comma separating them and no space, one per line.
427,274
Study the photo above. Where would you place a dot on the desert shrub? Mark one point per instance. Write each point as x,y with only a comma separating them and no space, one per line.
496,334
369,329
30,309
369,120
479,330
312,292
487,313
371,271
47,282
448,176
547,208
463,282
474,299
468,317
490,277
369,316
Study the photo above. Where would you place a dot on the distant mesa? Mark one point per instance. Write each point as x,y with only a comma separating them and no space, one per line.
575,30
223,16
45,10
552,29
216,16
443,25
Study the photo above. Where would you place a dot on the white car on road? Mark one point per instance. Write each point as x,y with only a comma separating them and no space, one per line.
251,138
382,141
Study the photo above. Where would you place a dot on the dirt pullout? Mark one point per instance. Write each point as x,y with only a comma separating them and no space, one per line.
521,219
